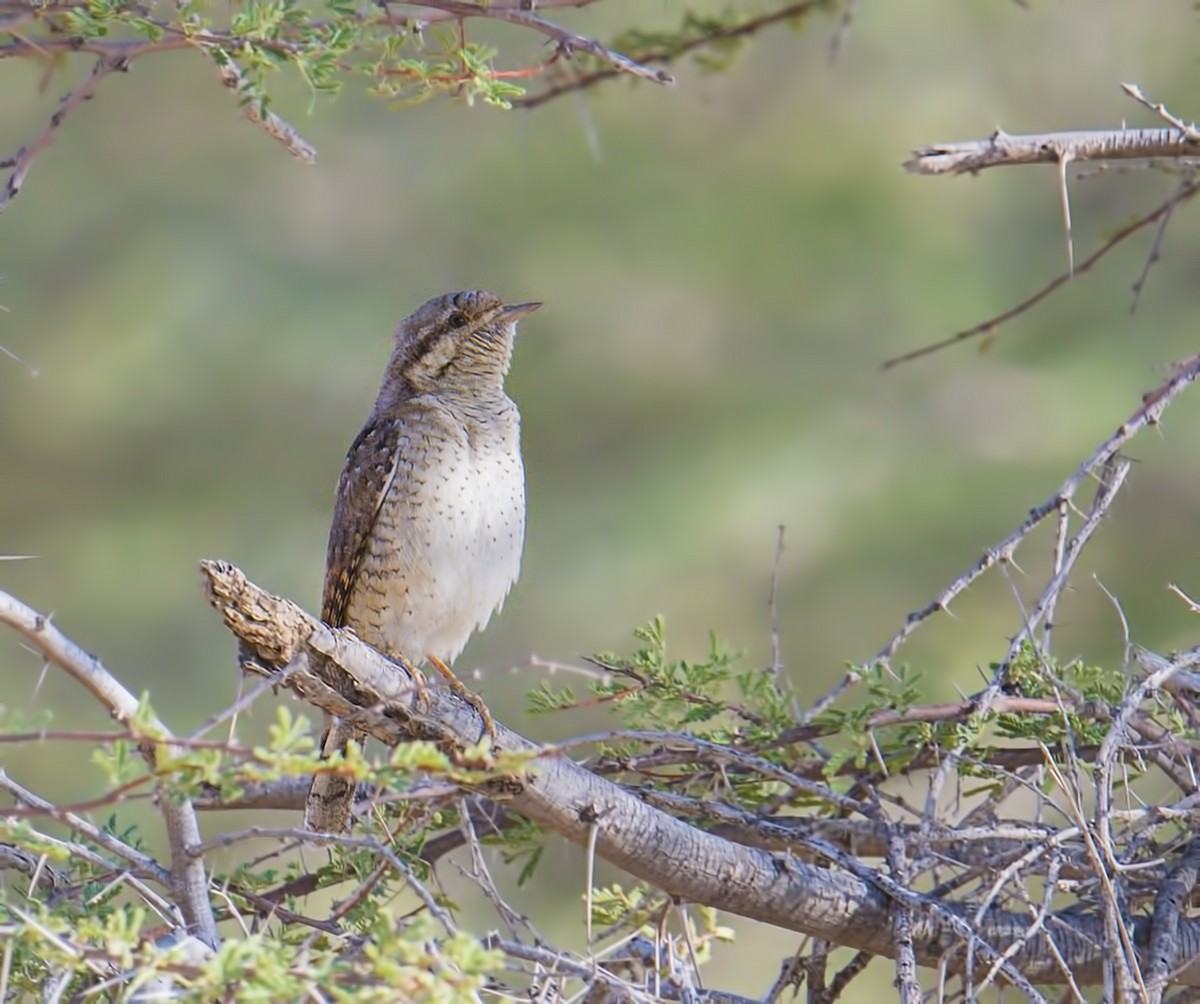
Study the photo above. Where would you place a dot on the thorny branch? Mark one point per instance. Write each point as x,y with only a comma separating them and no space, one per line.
1004,150
1148,413
1177,146
34,30
566,41
1186,190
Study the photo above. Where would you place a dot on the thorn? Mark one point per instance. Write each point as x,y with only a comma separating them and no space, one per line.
1064,159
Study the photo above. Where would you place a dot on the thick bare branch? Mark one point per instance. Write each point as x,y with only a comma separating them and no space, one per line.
1168,908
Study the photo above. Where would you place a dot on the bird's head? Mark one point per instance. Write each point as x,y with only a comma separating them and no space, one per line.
458,343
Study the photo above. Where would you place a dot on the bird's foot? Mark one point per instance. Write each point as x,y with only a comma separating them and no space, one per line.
419,685
468,695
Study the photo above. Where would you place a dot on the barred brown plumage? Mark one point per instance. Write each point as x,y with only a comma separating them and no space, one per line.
429,519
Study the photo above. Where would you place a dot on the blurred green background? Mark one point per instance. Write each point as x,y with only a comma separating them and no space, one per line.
722,278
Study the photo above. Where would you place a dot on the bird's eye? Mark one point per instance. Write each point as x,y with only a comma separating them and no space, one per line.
457,320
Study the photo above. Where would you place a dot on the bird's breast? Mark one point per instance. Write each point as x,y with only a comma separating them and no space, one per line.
446,547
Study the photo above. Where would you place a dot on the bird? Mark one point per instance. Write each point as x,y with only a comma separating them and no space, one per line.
429,516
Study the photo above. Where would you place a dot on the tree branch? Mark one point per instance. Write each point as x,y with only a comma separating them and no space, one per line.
1003,150
80,93
671,54
339,673
1179,144
566,40
188,880
1148,413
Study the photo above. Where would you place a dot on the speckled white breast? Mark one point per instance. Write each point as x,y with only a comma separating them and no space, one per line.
446,547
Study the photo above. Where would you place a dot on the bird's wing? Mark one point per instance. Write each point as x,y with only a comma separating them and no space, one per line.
371,465
380,451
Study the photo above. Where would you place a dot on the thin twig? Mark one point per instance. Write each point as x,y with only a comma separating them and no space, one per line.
566,40
140,864
773,606
482,876
80,93
300,836
279,129
1155,253
1187,128
1185,192
1061,530
743,29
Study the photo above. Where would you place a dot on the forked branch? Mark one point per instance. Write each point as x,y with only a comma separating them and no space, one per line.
188,880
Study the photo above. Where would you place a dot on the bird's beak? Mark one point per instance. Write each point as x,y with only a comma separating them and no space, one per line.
515,311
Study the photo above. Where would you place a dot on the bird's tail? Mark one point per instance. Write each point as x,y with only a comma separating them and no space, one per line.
328,808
